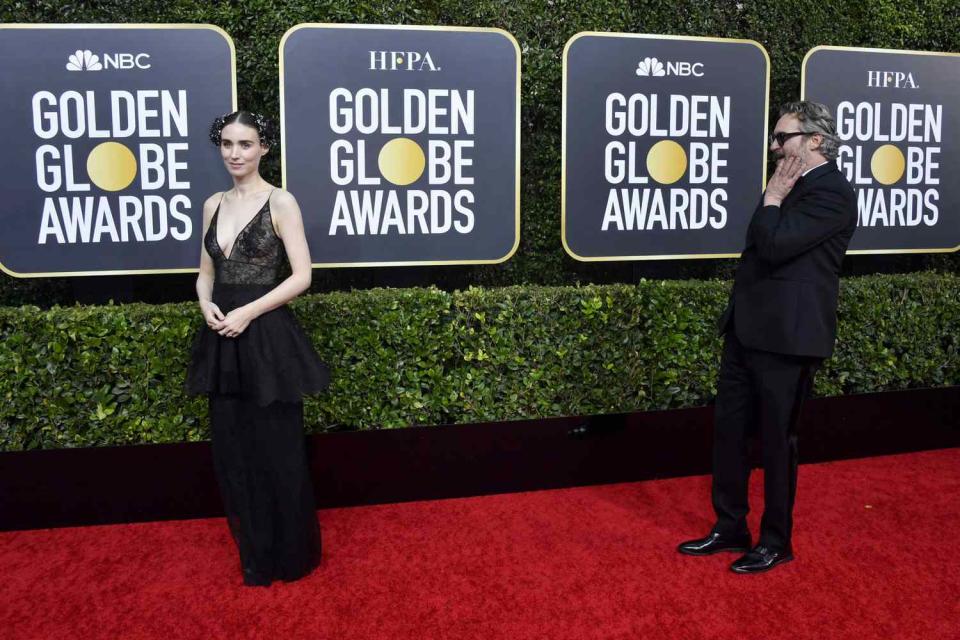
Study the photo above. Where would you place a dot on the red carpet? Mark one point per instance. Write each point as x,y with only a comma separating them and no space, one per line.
595,562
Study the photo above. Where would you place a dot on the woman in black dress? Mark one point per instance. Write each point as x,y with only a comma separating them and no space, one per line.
253,360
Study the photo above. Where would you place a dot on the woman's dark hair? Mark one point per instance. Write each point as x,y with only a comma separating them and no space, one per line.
264,127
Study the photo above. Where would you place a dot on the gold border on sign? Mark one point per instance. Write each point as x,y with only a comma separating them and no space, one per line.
803,93
563,152
283,146
233,102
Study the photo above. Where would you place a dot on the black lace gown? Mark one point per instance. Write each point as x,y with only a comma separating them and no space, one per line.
255,383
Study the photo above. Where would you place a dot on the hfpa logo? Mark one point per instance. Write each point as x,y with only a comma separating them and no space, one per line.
895,79
401,61
653,67
86,60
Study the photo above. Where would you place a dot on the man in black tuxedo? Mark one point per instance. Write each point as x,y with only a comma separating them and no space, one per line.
780,323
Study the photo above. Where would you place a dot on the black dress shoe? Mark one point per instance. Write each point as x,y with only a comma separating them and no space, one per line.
760,559
715,543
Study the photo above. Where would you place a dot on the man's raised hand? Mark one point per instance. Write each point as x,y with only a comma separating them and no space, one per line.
786,175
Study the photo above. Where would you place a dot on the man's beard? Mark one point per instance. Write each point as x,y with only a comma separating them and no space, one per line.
778,155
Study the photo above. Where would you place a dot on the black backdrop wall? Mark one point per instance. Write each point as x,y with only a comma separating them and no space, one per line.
786,28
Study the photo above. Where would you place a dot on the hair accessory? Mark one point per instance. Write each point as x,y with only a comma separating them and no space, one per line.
264,126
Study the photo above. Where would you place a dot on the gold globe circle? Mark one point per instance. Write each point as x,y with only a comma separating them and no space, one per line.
887,164
401,161
111,166
666,162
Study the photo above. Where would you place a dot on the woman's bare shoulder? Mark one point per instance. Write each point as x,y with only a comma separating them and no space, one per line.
282,201
210,204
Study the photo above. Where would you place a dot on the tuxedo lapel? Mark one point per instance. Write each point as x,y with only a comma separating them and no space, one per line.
805,183
801,186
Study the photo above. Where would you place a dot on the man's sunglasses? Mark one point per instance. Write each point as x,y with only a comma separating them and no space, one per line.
782,136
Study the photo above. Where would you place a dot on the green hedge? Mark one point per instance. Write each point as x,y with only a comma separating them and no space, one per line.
787,28
108,375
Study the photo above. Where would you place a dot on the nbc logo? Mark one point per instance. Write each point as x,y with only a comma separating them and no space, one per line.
651,67
84,60
654,67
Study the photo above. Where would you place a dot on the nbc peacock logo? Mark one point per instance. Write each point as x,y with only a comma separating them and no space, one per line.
658,68
84,60
651,67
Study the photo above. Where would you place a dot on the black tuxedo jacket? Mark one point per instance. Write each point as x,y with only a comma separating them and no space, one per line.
785,291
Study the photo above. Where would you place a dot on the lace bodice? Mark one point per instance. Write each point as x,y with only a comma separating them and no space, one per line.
257,255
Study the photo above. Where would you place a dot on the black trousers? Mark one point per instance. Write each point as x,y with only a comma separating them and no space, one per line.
759,394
